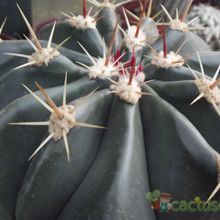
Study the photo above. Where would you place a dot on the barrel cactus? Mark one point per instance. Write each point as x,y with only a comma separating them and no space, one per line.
108,120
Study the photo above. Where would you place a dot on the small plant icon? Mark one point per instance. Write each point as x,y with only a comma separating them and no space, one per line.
154,197
197,200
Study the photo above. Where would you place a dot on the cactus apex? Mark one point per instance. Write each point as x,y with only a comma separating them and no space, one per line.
128,86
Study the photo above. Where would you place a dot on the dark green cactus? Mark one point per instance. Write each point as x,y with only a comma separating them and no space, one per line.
94,147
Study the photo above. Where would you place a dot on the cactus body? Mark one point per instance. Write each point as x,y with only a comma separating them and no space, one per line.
96,156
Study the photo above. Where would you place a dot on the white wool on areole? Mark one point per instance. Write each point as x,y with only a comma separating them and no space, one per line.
131,41
101,70
58,126
211,95
130,93
171,60
83,23
43,56
179,25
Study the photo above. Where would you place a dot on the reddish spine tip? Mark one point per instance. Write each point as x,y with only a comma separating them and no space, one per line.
138,29
132,65
145,6
139,25
84,9
215,84
164,42
140,68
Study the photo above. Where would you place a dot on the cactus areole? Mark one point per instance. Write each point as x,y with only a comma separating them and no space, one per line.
98,121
